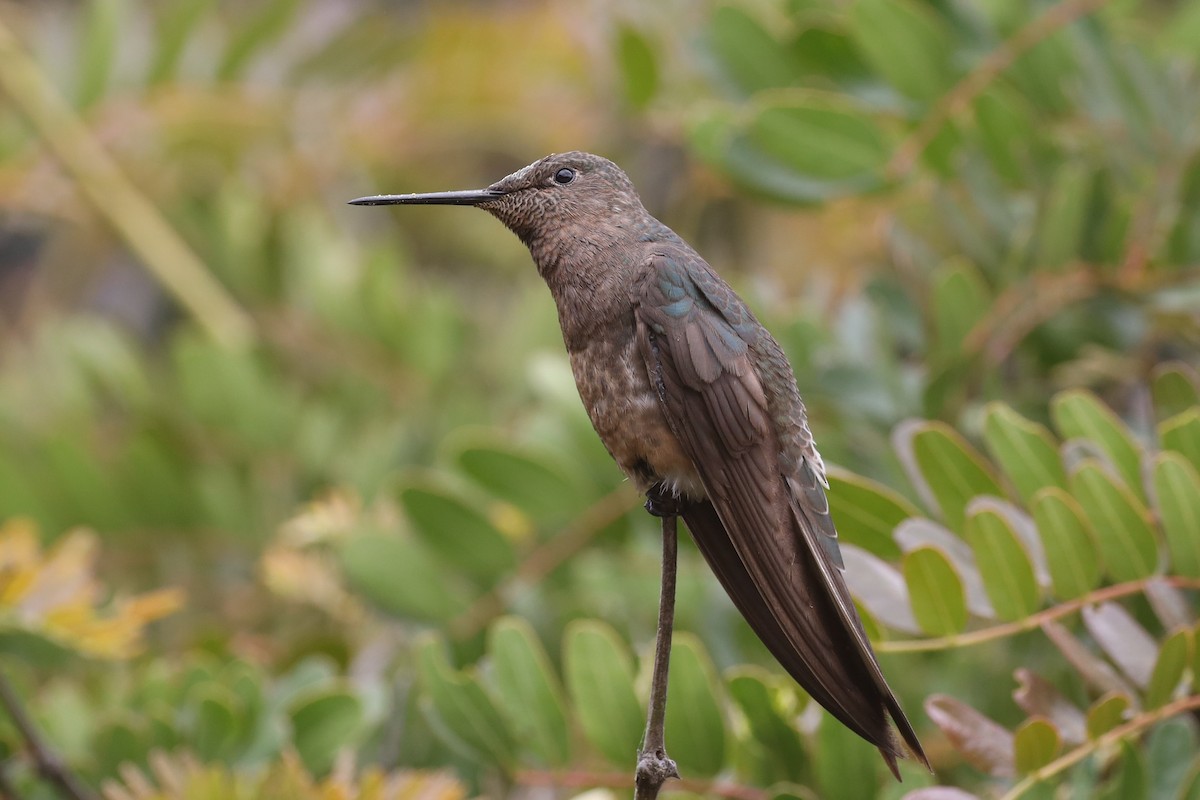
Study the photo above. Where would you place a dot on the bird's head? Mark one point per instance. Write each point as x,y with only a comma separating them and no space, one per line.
553,194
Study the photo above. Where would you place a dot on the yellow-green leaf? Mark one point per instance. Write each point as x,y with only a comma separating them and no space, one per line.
599,675
936,591
1025,451
1080,415
1175,389
906,43
1173,657
527,690
460,711
866,512
695,732
1072,557
1181,433
938,458
1106,713
1035,745
1177,492
1119,520
1004,565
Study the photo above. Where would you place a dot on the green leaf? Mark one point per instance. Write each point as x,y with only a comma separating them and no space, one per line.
1035,745
1175,389
906,44
750,57
531,481
1004,565
104,24
216,723
846,765
460,710
750,688
1006,131
638,66
175,30
936,591
1181,433
819,138
254,35
1177,496
960,300
1080,415
1171,750
866,512
528,692
1129,781
1025,451
324,722
1072,557
695,729
1106,713
1119,520
1173,657
457,532
401,577
599,677
939,459
1061,218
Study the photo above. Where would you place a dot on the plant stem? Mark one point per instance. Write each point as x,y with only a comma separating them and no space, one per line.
1031,622
654,767
48,764
1138,723
159,247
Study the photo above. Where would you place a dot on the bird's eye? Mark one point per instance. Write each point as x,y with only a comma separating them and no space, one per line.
564,175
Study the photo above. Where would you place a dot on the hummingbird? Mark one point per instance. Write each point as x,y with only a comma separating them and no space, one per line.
698,405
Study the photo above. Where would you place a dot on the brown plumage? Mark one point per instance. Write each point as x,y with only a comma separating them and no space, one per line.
691,395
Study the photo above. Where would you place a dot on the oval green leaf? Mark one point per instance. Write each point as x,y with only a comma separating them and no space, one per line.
940,460
1106,713
695,729
1004,565
751,690
528,692
960,300
936,591
1173,657
599,677
866,512
528,480
323,723
1025,451
1175,388
1181,433
1079,414
1119,520
638,66
1071,553
1177,495
906,44
456,531
460,711
401,577
820,139
748,55
1035,745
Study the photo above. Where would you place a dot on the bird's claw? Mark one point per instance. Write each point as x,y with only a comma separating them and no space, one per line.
662,502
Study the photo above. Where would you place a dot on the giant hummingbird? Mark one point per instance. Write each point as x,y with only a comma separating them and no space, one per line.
698,405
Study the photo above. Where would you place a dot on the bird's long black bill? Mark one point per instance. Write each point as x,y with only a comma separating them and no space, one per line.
468,197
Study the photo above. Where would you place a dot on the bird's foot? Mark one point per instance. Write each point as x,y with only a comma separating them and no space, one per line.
662,502
653,769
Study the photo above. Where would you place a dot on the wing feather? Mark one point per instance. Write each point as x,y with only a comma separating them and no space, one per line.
767,536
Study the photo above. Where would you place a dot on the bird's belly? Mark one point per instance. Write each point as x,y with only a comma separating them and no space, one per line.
624,410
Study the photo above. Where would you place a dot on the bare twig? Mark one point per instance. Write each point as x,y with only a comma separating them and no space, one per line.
172,262
581,779
546,558
47,762
654,766
1138,723
1034,621
977,80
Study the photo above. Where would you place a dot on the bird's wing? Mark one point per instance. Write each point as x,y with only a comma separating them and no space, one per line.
769,538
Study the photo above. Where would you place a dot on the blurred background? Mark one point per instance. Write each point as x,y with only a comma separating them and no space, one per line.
340,448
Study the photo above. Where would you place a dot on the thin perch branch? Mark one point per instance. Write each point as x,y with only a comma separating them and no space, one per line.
654,767
47,762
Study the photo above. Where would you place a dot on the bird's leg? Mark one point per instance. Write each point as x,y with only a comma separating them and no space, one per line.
654,767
